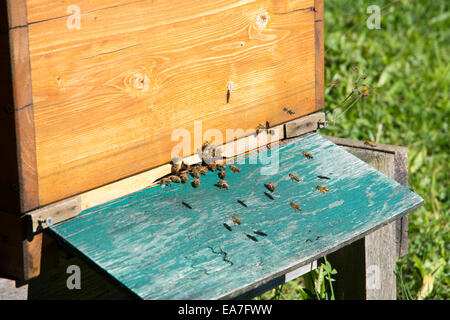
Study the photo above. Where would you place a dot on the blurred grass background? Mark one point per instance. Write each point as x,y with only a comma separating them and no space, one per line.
407,60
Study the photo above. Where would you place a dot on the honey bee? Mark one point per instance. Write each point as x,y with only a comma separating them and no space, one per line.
307,155
334,84
222,184
270,186
184,178
203,171
295,206
322,189
185,167
236,220
175,179
206,145
260,127
221,166
212,167
294,177
175,168
234,168
222,174
195,173
370,144
195,183
165,181
288,111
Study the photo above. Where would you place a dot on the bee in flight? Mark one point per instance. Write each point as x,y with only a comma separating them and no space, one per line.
260,127
288,111
307,155
295,206
270,186
263,127
234,168
294,177
236,220
322,189
334,84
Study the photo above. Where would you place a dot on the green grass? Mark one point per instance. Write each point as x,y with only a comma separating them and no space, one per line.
407,59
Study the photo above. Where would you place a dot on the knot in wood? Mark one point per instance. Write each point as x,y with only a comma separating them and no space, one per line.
140,81
262,20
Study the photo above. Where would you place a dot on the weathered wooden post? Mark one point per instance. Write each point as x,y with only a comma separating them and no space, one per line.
366,267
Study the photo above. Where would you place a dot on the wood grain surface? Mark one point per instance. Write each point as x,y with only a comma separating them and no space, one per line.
108,96
20,72
171,243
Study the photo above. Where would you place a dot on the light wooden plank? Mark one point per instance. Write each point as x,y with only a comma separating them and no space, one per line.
108,97
161,248
303,125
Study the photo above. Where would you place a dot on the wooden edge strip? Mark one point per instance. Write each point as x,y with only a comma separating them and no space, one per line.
303,125
66,209
23,104
320,59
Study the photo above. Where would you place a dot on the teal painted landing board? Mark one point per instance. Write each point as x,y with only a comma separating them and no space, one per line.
160,248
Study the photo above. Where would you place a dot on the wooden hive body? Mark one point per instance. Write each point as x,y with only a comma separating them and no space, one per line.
95,97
